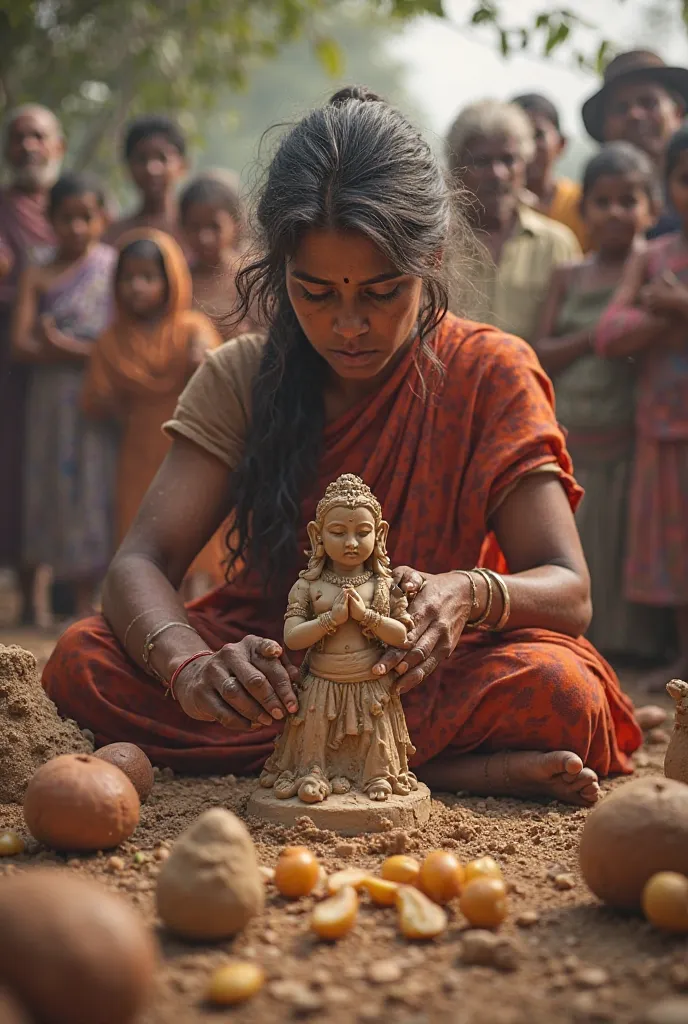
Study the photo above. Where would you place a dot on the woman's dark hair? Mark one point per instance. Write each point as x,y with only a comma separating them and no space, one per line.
142,128
536,103
221,190
678,143
355,166
622,158
143,249
70,185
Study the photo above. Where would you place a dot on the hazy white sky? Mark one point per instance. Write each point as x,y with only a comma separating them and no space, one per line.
450,65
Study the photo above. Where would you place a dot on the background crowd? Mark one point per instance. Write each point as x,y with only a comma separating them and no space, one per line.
104,319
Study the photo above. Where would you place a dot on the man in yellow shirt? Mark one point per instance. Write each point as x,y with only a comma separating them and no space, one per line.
489,146
558,198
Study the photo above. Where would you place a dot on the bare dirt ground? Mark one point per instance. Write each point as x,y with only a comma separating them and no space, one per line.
575,961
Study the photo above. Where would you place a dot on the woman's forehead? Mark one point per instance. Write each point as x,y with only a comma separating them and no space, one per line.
332,255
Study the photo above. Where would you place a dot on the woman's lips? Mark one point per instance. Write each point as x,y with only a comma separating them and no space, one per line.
360,358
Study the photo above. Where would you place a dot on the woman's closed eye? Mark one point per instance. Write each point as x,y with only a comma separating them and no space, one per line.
315,296
386,296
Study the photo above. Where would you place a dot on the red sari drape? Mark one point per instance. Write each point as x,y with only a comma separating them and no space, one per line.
439,465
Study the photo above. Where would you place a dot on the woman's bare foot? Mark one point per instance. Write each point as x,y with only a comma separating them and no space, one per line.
557,775
650,716
655,681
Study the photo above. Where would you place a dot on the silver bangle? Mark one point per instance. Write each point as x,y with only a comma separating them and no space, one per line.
136,619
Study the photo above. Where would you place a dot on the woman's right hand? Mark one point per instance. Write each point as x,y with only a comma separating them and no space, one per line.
340,607
243,686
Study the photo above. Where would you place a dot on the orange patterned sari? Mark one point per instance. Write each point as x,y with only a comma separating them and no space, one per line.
439,467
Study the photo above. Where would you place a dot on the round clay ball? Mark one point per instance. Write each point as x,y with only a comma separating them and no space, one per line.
79,802
638,830
210,886
71,952
133,762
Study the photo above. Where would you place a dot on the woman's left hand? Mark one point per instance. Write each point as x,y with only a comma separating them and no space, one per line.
440,607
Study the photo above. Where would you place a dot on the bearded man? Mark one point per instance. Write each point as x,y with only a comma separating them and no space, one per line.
33,151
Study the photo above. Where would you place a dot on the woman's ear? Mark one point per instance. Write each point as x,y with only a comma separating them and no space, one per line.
382,534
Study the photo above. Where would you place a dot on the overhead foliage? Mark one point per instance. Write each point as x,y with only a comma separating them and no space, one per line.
554,26
96,61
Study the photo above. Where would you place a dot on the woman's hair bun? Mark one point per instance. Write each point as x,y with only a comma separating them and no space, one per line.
354,92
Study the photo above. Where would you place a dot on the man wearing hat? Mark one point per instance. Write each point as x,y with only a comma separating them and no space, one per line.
642,101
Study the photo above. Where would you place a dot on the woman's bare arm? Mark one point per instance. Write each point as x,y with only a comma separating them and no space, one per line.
556,353
243,683
549,584
185,505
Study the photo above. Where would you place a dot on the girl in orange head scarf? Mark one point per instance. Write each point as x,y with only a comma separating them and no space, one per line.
141,364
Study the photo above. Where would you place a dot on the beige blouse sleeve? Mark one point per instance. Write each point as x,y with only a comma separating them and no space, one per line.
213,410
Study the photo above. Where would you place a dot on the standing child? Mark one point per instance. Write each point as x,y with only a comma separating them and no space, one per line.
155,154
648,319
62,306
142,363
212,218
596,395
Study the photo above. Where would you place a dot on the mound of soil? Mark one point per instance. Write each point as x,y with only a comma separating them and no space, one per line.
31,731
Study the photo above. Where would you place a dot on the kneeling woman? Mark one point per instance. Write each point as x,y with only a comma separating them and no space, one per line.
451,425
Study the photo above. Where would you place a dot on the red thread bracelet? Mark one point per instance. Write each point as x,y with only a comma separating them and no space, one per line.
180,668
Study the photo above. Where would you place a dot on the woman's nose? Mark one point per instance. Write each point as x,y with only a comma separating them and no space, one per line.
350,326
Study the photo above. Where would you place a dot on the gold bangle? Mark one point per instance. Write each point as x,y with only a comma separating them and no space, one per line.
475,607
490,598
506,610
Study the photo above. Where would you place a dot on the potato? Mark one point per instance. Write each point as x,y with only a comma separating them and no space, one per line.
133,762
71,952
78,802
635,832
210,886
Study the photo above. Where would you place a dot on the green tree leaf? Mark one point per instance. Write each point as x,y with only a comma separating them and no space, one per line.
330,56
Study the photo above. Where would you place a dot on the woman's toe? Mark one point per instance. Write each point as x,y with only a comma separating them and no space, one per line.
591,792
573,765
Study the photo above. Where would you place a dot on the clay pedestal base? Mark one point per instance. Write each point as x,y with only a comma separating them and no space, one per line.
351,815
